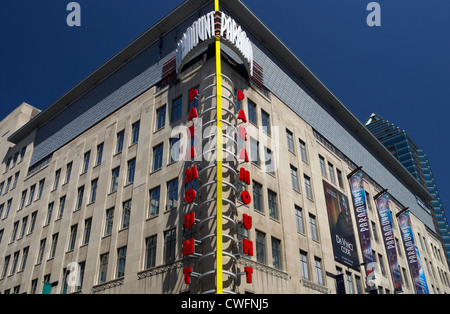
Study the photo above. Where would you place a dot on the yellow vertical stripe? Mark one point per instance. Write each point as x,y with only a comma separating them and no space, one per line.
219,243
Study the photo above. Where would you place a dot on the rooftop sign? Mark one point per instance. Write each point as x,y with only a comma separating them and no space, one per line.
206,29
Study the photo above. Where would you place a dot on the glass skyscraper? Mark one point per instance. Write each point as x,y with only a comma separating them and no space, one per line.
416,162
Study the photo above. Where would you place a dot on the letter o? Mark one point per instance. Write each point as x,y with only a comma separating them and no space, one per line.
190,195
245,197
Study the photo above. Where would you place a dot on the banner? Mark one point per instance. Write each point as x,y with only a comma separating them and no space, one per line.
415,265
360,206
385,215
341,227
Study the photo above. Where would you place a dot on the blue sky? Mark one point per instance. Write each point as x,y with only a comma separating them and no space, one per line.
400,70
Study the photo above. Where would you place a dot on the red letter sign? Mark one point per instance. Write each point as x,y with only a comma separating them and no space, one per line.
192,94
187,275
242,133
241,115
244,155
189,220
249,272
188,247
247,247
244,176
247,221
193,114
190,174
245,197
190,195
240,95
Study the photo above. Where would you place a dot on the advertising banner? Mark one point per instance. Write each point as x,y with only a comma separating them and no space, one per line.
385,215
415,265
341,227
360,206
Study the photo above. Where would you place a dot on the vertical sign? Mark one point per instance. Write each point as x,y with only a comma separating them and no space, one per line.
415,265
360,206
341,226
385,215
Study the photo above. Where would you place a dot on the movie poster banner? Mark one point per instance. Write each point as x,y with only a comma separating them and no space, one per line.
385,215
360,206
415,265
341,227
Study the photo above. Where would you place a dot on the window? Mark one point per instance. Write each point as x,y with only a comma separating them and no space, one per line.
290,140
150,252
87,230
303,151
115,179
49,213
160,117
169,246
257,196
68,172
368,201
261,247
348,275
157,156
308,187
126,211
73,237
273,208
276,253
22,154
121,260
14,263
135,132
24,258
172,194
103,268
94,184
254,152
154,202
265,121
177,106
313,225
24,227
270,163
32,222
31,196
98,159
87,157
174,149
62,204
299,219
331,171
8,208
374,231
109,221
80,196
8,184
22,200
304,264
41,251
339,177
5,266
119,142
40,188
131,170
53,246
318,266
14,232
322,166
57,176
252,117
294,178
16,179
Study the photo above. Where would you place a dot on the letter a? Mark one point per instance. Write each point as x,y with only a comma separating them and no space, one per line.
74,17
374,17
